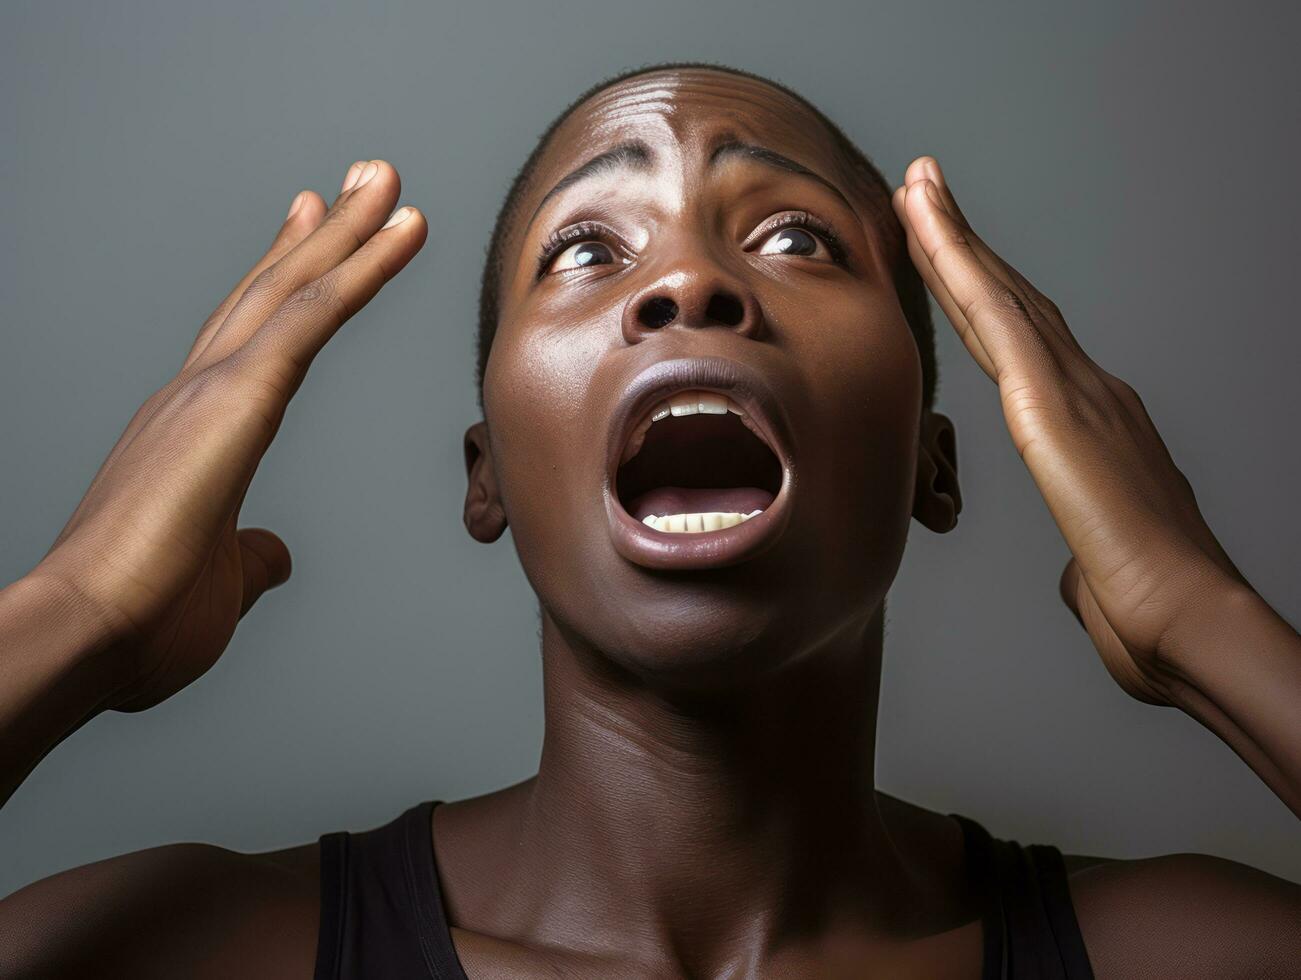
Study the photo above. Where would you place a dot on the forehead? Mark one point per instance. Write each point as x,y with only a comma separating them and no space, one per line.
682,110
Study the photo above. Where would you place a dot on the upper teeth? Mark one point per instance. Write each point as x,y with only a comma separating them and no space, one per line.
683,403
693,403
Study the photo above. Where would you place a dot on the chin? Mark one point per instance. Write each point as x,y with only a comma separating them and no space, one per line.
709,632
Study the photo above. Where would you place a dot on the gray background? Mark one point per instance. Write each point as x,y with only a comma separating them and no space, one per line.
1138,165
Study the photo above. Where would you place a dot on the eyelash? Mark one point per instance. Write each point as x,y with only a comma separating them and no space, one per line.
809,222
559,239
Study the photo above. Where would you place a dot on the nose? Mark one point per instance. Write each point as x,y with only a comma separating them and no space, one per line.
693,300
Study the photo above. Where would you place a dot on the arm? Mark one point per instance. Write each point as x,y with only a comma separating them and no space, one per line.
143,588
1172,618
183,910
1236,668
1186,915
59,669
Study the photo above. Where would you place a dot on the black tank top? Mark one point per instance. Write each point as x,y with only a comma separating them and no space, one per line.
382,912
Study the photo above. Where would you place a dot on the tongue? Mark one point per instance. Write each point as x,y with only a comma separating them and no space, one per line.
683,500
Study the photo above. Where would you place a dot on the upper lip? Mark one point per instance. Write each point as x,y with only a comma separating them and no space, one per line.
742,384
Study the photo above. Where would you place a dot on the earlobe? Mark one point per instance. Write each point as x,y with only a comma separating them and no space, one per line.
937,499
485,518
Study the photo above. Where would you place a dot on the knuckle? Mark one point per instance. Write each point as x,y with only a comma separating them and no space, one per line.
1123,390
321,296
201,390
340,221
1010,303
1050,308
996,301
1091,401
264,389
1128,397
265,283
953,245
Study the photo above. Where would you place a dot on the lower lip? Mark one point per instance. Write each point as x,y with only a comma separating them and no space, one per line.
643,545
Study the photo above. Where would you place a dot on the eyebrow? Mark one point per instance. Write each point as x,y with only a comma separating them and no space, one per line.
636,155
751,151
633,155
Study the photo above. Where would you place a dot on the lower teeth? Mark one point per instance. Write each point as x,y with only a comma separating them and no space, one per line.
693,523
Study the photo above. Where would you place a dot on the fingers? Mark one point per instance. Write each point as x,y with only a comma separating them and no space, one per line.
1045,311
264,561
928,168
301,226
355,216
305,213
995,317
282,348
983,305
937,287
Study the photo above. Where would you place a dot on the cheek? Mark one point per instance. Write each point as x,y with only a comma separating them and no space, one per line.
548,444
862,385
860,364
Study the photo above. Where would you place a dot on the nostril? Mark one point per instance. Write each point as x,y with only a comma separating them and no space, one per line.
658,311
726,309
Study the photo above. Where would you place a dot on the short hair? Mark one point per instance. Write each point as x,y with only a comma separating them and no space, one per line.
913,298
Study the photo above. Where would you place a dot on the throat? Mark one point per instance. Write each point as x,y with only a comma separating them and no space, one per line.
655,813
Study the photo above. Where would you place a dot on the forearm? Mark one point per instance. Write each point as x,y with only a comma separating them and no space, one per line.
56,673
1238,672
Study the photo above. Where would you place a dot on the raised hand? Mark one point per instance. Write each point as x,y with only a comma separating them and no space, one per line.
153,553
1144,558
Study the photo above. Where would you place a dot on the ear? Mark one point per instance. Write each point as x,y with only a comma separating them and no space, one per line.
485,518
937,501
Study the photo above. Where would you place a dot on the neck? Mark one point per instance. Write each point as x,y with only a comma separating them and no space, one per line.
706,822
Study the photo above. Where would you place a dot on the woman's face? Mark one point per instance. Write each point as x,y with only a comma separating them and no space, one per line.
720,253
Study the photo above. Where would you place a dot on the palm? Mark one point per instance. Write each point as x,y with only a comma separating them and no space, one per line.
196,626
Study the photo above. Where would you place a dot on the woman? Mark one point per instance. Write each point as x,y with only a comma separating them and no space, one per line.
706,379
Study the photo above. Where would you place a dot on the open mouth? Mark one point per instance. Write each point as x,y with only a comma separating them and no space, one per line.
694,464
700,473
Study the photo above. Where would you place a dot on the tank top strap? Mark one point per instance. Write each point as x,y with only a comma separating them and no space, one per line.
1028,920
382,910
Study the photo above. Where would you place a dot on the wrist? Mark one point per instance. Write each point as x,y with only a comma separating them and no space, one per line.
1217,635
65,641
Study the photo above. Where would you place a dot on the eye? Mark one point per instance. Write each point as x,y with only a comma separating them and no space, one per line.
580,255
794,241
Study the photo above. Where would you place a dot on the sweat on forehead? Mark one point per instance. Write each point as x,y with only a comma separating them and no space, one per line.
655,97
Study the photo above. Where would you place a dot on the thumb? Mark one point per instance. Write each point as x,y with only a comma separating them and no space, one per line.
1069,587
265,562
1080,601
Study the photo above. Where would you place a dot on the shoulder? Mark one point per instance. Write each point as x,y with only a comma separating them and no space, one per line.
1185,915
192,910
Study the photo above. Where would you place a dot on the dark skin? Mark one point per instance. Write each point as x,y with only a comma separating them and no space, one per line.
676,826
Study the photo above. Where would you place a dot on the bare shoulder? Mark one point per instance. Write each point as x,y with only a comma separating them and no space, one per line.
191,910
1188,915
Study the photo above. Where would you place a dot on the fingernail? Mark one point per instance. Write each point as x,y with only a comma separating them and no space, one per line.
399,216
351,176
932,168
371,170
298,203
933,193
